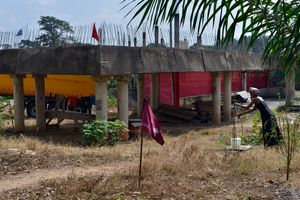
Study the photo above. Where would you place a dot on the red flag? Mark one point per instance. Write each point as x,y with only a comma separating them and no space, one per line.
150,123
95,33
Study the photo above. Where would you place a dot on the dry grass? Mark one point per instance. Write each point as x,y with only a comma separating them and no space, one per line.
188,166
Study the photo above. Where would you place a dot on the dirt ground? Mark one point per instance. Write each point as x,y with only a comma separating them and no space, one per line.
192,164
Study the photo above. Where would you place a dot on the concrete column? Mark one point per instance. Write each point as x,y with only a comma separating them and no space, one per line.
216,115
156,35
140,93
40,102
144,39
135,42
122,90
171,35
227,96
101,97
290,87
176,30
154,97
244,81
18,87
199,42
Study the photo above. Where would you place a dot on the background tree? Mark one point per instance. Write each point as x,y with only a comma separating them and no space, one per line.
55,32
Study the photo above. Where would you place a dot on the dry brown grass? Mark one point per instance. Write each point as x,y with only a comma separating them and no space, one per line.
189,166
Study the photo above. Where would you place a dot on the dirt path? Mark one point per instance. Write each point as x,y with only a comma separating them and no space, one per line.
32,179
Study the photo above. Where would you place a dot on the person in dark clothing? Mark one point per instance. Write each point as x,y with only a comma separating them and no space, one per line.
271,131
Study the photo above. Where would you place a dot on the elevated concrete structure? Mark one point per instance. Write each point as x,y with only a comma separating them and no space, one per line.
101,62
113,60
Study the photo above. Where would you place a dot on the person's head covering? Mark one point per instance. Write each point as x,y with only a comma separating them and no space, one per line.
254,90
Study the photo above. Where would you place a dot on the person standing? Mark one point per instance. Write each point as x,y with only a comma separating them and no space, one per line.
271,131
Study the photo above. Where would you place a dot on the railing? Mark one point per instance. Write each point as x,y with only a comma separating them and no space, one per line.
110,34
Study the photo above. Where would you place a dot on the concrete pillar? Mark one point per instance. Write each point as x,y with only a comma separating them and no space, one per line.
40,102
199,42
154,97
135,42
244,81
18,87
144,39
101,97
122,90
216,115
227,96
140,93
156,36
176,30
290,87
171,35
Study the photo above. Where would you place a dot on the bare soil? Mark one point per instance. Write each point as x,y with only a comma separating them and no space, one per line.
191,165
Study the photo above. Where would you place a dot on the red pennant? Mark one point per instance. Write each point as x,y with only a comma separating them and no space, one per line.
95,34
150,123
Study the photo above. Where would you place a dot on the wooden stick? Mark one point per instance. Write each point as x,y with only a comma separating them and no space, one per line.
141,156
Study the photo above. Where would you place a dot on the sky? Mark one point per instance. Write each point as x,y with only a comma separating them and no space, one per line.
15,14
20,14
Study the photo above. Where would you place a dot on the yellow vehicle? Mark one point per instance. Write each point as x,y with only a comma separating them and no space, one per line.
80,87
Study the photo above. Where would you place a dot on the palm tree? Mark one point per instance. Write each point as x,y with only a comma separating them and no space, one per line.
277,21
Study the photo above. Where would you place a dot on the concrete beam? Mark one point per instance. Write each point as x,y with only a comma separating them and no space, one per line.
290,87
18,91
216,115
122,90
101,97
106,60
40,102
227,96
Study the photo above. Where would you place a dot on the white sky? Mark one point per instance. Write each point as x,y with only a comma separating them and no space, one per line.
15,14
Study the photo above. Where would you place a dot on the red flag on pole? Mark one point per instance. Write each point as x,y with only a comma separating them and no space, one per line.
150,123
95,33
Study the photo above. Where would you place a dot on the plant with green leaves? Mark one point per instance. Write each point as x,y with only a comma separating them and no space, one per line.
276,21
290,130
112,101
103,132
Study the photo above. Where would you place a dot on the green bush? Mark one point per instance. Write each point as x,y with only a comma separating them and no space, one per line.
253,139
111,101
103,132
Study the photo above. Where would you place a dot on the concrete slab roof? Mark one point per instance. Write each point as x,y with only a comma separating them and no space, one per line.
116,60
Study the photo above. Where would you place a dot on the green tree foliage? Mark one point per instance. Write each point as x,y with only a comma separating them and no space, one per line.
278,21
54,33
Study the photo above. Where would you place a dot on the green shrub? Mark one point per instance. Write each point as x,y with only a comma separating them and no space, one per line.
111,101
224,139
103,132
253,139
257,124
2,128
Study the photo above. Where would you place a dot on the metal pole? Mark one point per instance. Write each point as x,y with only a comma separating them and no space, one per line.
141,157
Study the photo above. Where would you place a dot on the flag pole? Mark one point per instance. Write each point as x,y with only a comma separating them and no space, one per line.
141,156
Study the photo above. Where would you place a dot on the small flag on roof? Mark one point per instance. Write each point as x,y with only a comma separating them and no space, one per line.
95,34
20,32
